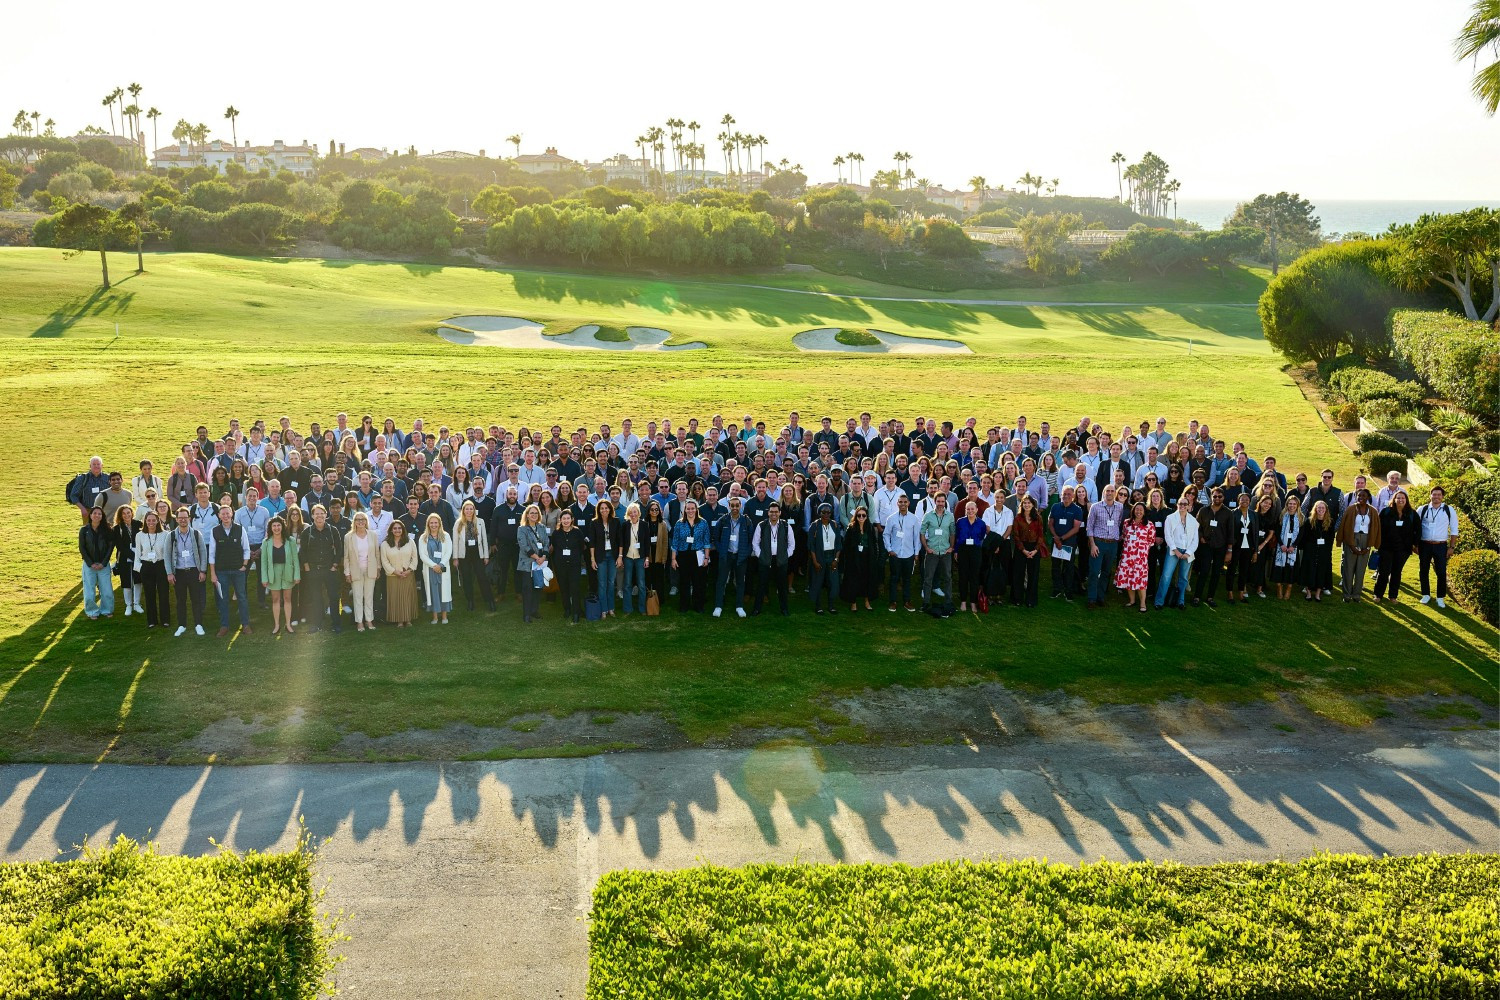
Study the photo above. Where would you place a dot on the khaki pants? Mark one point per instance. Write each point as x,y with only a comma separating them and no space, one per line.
364,600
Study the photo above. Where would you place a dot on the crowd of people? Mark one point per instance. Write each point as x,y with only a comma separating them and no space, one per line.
375,522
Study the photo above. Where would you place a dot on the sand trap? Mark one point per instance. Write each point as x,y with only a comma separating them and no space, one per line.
890,343
511,331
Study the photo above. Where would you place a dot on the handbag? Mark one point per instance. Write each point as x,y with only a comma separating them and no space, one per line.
984,603
591,609
653,604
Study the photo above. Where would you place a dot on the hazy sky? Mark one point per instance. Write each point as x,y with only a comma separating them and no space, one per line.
1331,98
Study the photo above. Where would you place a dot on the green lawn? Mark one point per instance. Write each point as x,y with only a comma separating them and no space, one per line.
205,337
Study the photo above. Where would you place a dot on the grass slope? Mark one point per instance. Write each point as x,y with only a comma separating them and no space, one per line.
207,337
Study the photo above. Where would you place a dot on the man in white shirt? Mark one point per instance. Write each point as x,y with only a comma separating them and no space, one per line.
1151,464
902,537
627,442
529,472
1439,536
867,432
1390,489
1181,530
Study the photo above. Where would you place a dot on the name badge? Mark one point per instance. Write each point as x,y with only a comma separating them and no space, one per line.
1322,541
473,542
1400,523
1062,522
567,552
968,541
1110,523
861,547
511,522
1234,504
653,539
1213,524
937,532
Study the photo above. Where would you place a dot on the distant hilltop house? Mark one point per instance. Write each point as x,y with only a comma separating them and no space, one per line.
544,163
369,154
118,141
452,154
299,159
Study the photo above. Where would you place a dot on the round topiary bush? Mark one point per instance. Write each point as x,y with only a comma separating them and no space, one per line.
1347,416
1381,462
1474,578
1376,441
856,338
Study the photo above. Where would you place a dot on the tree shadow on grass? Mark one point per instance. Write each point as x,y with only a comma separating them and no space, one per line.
98,303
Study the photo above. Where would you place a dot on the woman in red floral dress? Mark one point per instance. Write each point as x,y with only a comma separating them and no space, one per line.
1138,537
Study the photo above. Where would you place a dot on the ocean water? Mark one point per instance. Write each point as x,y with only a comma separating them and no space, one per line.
1338,216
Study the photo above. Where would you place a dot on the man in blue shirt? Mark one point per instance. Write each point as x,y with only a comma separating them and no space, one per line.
1066,524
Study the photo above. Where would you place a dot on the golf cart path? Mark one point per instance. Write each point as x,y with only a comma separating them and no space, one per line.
977,302
474,879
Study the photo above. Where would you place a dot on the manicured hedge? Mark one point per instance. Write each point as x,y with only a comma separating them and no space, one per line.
1347,416
1459,358
127,923
1381,462
1330,926
1359,385
1475,579
1376,441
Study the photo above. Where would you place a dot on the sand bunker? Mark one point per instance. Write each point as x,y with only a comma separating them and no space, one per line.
890,343
511,331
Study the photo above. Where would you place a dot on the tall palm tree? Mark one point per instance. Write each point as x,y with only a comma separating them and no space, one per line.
109,102
1481,32
515,140
153,114
135,98
233,114
640,143
838,161
119,96
35,117
760,143
980,186
859,160
1173,188
1118,159
1029,180
1052,187
728,136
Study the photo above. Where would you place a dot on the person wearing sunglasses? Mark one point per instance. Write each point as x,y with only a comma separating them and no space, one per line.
861,559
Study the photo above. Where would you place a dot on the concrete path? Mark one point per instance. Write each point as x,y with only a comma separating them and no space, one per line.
473,880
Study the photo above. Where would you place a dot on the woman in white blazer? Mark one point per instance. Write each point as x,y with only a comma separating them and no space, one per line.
471,554
151,568
362,569
435,548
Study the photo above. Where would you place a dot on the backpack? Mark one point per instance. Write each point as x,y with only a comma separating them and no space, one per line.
71,492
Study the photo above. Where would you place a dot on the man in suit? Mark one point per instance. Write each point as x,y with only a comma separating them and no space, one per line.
1108,467
772,547
732,542
825,541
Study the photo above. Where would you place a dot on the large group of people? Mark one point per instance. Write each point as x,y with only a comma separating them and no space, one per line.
374,521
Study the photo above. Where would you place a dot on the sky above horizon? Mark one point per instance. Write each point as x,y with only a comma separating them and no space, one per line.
1332,99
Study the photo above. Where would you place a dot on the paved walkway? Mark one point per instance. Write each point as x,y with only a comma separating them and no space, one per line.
473,880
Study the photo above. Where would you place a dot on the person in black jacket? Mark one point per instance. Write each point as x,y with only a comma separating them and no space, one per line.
605,534
504,523
1215,533
322,550
862,551
1400,531
567,560
96,545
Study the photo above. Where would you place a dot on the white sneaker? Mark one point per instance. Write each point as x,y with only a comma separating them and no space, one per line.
1440,603
127,611
718,611
181,631
198,629
139,610
740,612
1426,599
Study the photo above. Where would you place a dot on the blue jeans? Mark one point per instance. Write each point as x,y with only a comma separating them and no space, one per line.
1102,569
634,575
232,580
101,581
1174,570
607,573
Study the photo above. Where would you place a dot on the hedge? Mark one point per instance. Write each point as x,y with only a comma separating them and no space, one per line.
1376,441
1381,462
126,922
1329,926
1475,580
1459,358
1347,416
1361,384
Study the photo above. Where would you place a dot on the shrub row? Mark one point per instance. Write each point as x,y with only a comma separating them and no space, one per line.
1376,441
1459,358
1330,926
1382,462
124,922
1361,384
1475,580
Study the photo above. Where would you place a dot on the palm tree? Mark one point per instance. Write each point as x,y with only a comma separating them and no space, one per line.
119,96
730,137
109,102
640,143
1172,189
859,160
135,98
515,140
760,143
1118,159
980,186
48,124
1481,32
35,117
1029,180
153,114
233,114
838,161
1052,187
693,128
